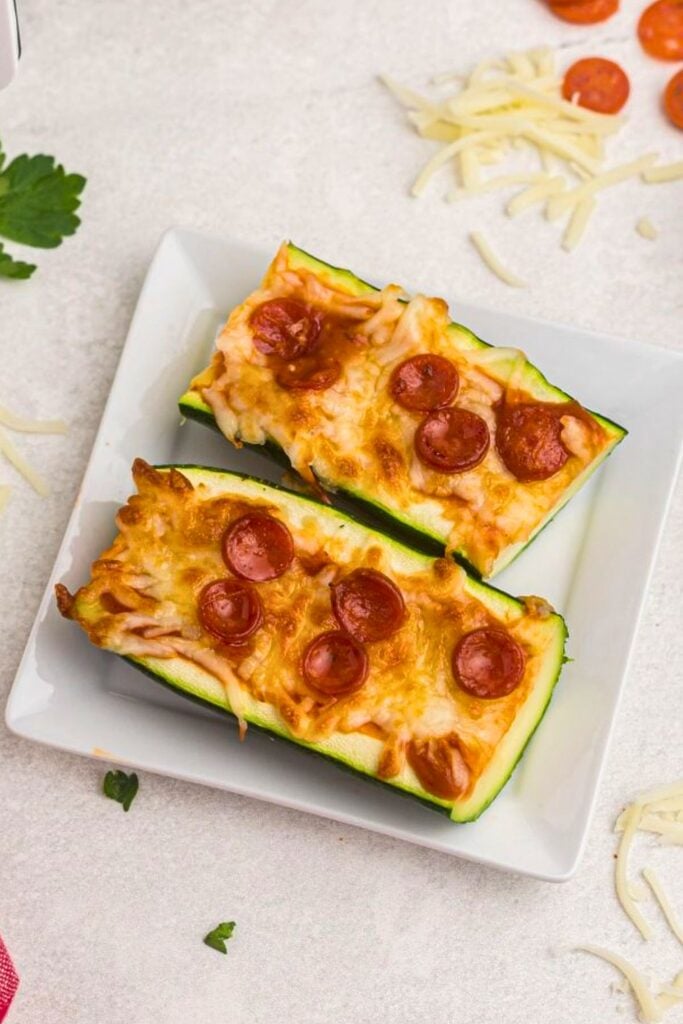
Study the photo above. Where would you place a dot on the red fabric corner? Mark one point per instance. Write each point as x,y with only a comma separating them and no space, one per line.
9,981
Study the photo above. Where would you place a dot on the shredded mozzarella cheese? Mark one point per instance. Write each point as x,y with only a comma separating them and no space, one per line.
665,172
577,224
513,103
647,1004
24,425
439,159
653,881
671,995
558,205
623,891
28,426
646,229
523,200
14,456
493,263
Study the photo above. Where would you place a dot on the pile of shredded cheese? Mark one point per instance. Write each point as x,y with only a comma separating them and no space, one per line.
19,424
513,103
659,812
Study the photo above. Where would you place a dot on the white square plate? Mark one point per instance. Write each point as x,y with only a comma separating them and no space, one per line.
592,562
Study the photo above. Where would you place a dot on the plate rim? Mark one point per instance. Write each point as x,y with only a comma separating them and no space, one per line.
17,723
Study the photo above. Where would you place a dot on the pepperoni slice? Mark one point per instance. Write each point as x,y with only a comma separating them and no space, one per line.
529,441
368,605
439,766
660,29
424,382
230,610
488,663
310,373
588,12
334,664
600,84
285,327
452,440
258,547
673,100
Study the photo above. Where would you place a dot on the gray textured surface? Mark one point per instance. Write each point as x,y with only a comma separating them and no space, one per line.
262,119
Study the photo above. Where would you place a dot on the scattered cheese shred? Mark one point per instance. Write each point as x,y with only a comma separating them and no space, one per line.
515,103
647,1004
651,811
491,184
670,795
646,229
530,196
24,425
665,172
653,881
19,462
27,426
569,151
439,159
493,262
577,224
631,820
669,831
671,995
469,168
613,177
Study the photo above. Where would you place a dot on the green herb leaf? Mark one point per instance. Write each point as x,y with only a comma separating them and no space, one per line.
10,267
37,201
217,938
121,787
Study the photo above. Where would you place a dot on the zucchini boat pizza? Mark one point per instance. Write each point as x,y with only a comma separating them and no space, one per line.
386,399
298,620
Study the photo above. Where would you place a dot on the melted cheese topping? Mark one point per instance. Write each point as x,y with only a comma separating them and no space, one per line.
142,601
356,437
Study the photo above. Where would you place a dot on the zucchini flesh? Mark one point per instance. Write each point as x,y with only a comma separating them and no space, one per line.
423,523
542,632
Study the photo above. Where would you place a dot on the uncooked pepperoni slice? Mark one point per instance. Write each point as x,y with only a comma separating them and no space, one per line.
584,12
452,440
258,547
309,373
424,382
285,327
368,605
439,766
230,610
488,663
673,100
598,83
334,664
660,29
529,441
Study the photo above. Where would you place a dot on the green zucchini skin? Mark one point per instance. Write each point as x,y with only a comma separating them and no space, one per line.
171,676
362,509
225,713
370,511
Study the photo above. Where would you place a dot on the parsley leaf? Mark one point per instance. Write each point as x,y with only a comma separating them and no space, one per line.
37,201
14,268
121,787
217,938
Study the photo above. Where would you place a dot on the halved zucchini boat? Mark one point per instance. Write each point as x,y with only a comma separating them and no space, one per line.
299,620
460,445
